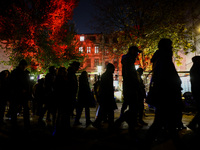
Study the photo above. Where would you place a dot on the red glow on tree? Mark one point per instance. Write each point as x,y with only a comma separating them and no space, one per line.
35,26
60,15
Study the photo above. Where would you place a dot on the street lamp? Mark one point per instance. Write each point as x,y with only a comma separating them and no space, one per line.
99,70
137,66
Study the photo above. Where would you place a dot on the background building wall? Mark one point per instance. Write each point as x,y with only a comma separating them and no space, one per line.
3,57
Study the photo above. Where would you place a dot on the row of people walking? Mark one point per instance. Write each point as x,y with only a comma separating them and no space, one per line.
57,92
56,95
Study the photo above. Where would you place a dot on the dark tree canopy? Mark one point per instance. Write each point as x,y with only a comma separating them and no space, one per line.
143,23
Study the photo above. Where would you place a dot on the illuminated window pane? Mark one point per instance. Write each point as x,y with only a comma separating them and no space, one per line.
96,62
88,49
106,52
82,38
80,49
96,51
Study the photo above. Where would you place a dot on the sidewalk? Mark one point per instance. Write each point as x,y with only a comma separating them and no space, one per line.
87,138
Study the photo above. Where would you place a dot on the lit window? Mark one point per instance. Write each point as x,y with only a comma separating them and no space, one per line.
88,49
82,38
96,51
106,52
96,62
80,49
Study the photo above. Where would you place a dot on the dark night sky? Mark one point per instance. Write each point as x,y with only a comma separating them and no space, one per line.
82,16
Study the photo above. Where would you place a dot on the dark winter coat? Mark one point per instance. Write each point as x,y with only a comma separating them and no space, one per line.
106,92
20,84
130,79
72,83
165,81
195,80
84,92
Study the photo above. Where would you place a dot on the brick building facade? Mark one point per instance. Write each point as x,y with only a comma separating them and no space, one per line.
95,49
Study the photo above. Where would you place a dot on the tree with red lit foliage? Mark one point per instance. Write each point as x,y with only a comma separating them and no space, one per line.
39,31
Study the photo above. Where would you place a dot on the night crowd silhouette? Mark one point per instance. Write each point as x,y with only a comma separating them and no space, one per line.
59,94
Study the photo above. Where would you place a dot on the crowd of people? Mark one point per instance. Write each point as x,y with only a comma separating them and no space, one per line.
60,93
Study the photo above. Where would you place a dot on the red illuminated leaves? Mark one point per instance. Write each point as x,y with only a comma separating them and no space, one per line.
60,12
39,28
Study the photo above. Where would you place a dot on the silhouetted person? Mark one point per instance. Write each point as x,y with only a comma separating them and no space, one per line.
141,97
96,87
4,92
166,84
39,96
84,99
106,98
62,101
66,86
49,99
20,92
130,89
96,92
73,84
195,86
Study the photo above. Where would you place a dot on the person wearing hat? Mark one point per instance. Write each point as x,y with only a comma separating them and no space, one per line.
130,89
20,92
195,86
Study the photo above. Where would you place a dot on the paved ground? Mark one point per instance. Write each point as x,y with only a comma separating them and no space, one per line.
88,138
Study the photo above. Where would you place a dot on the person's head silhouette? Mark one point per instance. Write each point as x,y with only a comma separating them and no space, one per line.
165,44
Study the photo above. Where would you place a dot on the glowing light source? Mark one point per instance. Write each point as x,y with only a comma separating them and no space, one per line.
99,69
82,38
32,77
137,66
96,51
80,49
